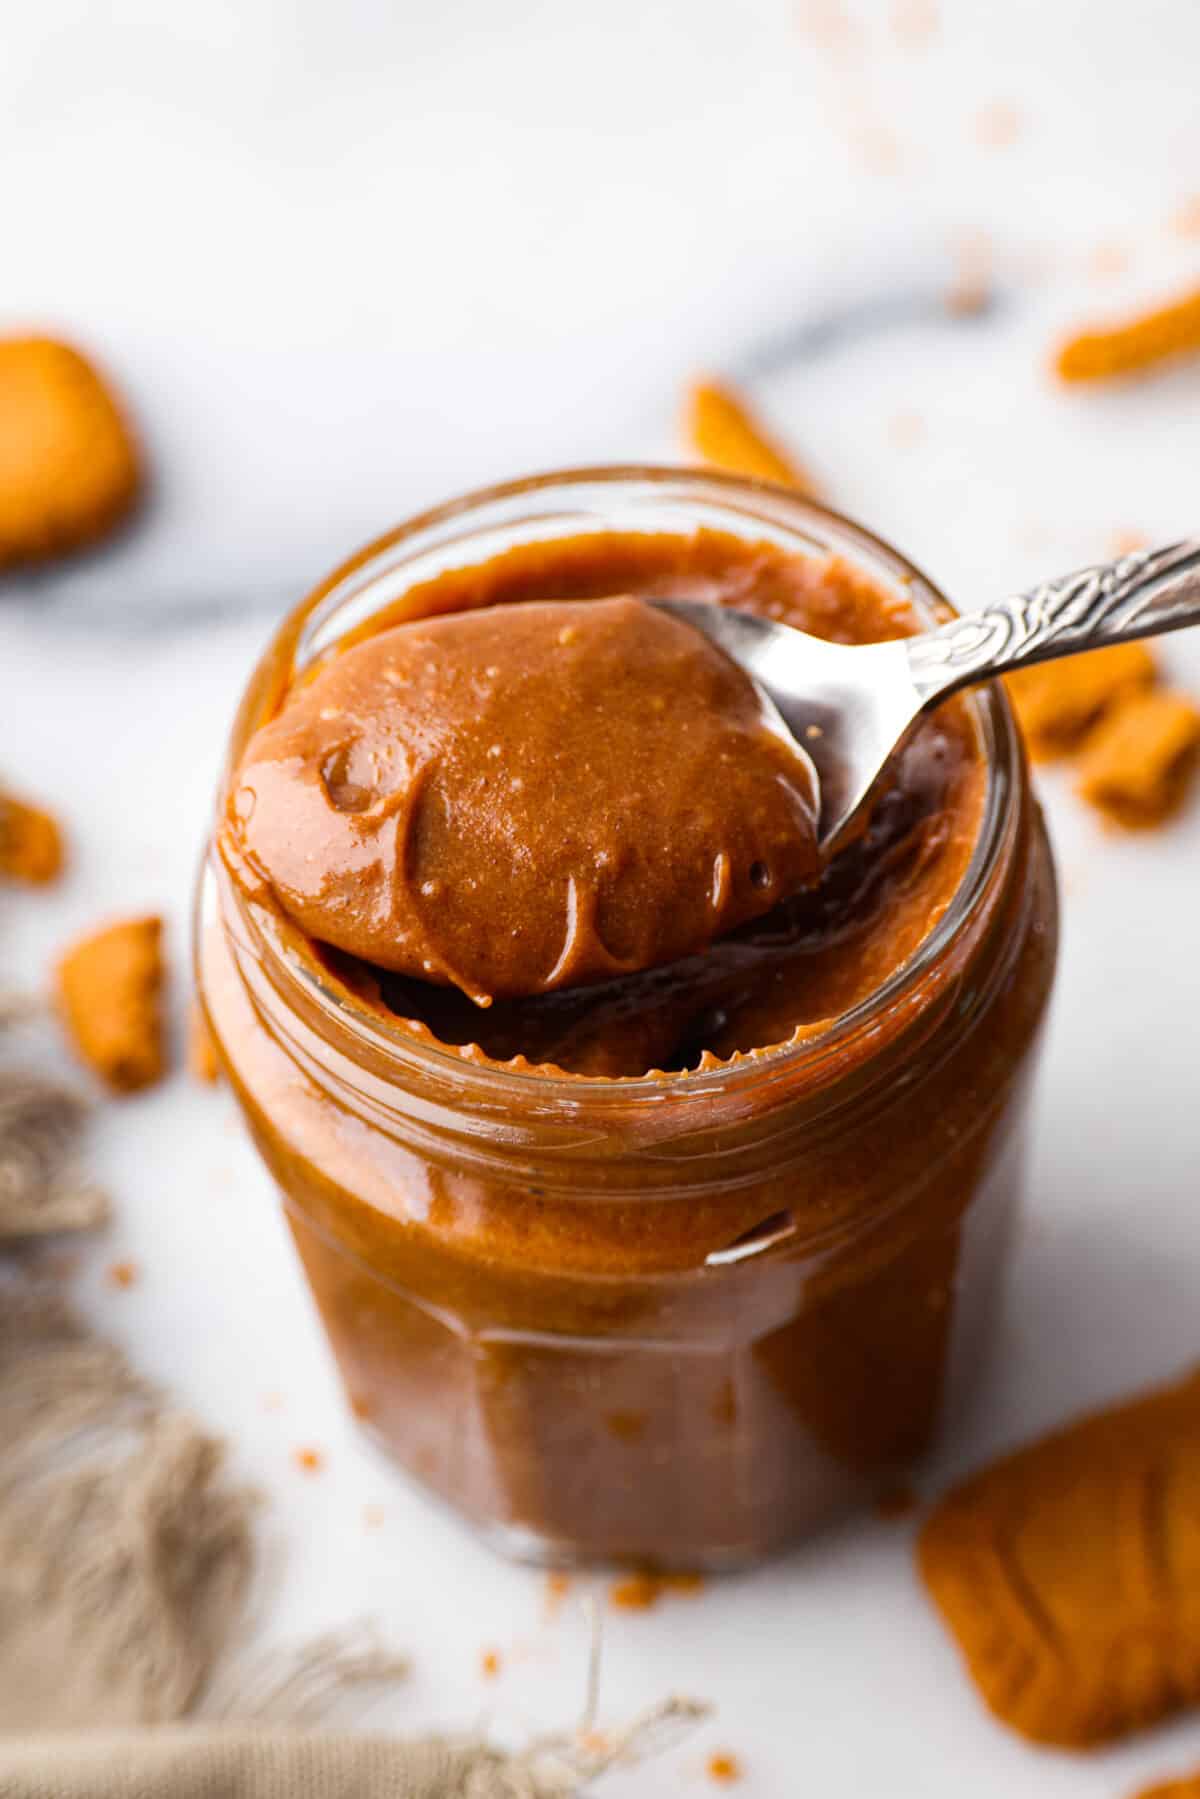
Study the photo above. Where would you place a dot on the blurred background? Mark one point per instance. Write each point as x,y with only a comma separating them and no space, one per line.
344,261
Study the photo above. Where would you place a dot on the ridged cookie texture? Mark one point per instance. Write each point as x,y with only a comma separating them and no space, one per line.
1069,1572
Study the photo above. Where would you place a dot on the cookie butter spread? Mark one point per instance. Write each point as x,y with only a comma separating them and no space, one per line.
493,792
658,1264
521,798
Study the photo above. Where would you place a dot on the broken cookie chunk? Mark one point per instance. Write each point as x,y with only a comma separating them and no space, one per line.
110,991
723,432
1058,703
31,846
1140,763
1069,1573
69,466
1163,334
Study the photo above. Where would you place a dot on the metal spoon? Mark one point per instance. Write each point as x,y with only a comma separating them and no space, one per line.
850,706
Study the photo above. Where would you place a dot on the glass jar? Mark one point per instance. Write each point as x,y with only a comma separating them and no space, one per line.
672,1323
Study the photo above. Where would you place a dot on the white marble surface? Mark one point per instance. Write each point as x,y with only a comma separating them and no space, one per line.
350,259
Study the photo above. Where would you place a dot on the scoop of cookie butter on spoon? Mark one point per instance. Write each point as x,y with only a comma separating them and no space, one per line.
517,798
852,705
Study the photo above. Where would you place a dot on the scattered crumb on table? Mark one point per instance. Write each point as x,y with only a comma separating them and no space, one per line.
905,428
557,1587
1107,260
914,23
1125,542
641,1591
1185,221
997,125
971,290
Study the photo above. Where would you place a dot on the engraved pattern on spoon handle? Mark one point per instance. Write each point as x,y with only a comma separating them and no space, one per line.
1142,594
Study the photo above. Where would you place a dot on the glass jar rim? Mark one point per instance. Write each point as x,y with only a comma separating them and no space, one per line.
361,586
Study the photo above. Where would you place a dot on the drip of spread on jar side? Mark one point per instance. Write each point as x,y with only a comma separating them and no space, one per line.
779,974
525,798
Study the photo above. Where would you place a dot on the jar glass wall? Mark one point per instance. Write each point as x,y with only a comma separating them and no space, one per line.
674,1322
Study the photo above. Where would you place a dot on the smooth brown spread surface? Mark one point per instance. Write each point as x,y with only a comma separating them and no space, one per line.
521,798
657,977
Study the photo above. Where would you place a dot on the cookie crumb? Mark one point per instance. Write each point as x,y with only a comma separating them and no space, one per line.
967,299
877,148
489,1664
914,23
905,429
1106,261
110,992
641,1591
635,1593
970,293
123,1274
997,125
1186,221
722,1766
558,1586
309,1461
829,26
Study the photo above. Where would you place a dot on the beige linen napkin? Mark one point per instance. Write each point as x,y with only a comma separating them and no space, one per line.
126,1557
228,1763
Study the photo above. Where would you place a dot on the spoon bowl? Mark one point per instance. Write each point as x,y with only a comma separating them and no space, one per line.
851,706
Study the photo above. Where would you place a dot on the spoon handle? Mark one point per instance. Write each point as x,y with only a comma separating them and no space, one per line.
1139,596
